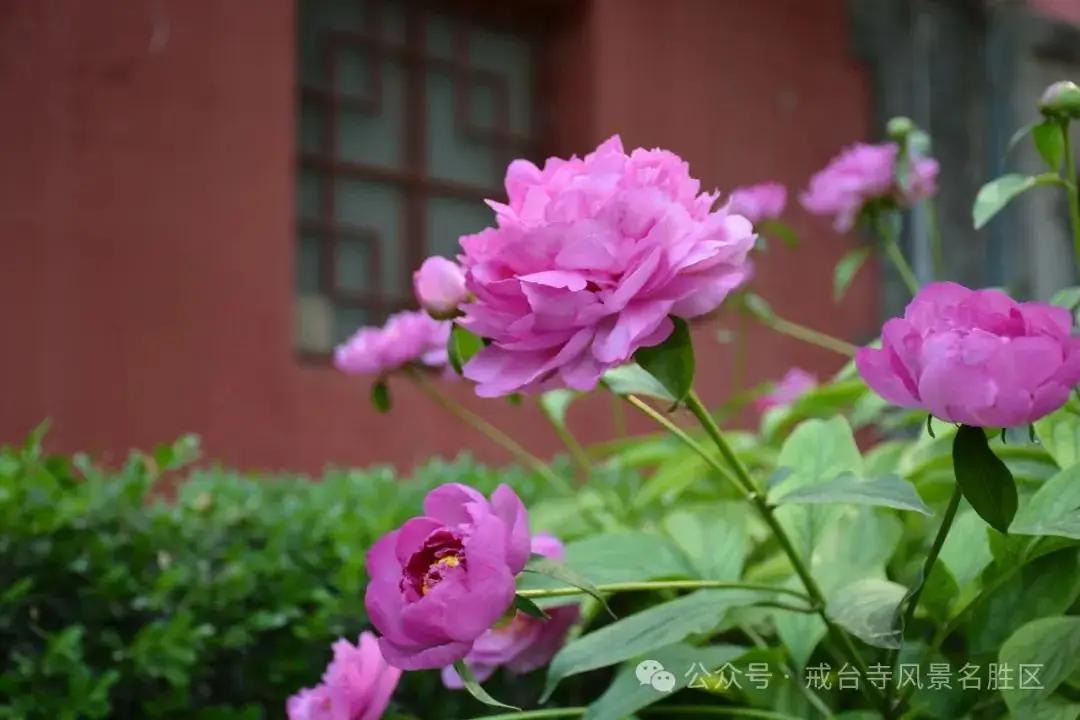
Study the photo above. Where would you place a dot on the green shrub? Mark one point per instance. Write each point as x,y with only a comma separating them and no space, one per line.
217,601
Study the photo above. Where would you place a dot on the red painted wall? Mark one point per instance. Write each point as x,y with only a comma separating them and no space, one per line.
147,198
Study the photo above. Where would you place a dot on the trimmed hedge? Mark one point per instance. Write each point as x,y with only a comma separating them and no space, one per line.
217,603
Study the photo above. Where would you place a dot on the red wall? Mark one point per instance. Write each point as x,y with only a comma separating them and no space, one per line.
146,212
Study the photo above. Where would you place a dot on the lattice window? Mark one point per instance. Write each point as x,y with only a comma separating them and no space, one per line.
408,116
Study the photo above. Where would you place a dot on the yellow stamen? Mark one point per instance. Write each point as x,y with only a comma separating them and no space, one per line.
448,561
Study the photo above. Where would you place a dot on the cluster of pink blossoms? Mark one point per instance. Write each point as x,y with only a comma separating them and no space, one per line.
862,174
357,685
758,202
407,338
590,259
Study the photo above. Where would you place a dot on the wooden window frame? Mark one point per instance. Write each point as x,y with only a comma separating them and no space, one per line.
534,20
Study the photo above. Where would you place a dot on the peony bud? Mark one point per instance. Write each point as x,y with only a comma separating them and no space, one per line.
1061,100
899,128
440,287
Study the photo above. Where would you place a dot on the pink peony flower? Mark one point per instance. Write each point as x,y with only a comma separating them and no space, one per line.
407,338
440,286
861,174
441,581
357,685
590,258
525,643
795,383
758,202
975,357
310,704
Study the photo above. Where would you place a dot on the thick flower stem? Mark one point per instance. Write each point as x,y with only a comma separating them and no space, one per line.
1071,191
694,404
928,566
892,249
491,432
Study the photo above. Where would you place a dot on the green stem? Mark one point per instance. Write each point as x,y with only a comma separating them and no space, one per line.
690,442
937,252
960,617
491,432
664,711
694,404
618,418
928,566
665,585
892,249
811,336
1071,191
738,370
577,452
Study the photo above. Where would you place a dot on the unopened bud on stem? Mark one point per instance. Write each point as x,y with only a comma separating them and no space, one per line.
1061,100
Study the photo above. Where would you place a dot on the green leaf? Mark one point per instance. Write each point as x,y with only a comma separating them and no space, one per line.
1044,653
1068,297
833,398
846,270
1045,586
888,491
528,607
632,379
672,361
557,571
867,608
1054,509
463,347
984,479
1019,135
474,687
555,403
780,231
714,541
996,194
618,557
380,395
1059,433
966,551
646,632
1050,142
759,307
629,693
